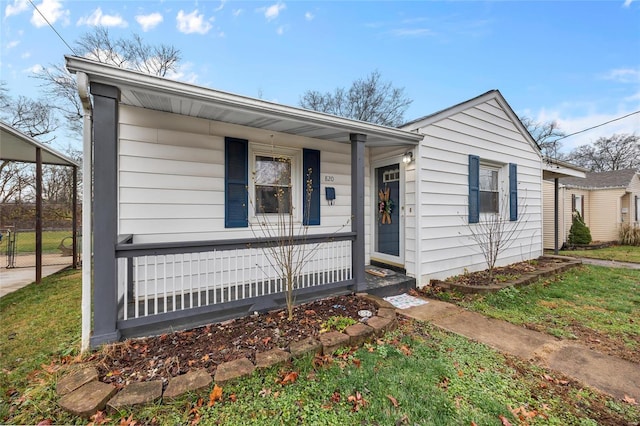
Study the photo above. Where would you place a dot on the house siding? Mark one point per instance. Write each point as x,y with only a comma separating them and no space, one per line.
605,207
488,131
171,177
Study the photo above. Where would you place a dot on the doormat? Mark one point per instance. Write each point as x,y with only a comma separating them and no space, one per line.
404,301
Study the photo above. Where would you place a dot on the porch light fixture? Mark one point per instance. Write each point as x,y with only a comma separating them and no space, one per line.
407,157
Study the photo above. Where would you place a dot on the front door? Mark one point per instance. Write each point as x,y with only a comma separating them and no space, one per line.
387,215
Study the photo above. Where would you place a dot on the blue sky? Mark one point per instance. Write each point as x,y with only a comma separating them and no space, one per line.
577,62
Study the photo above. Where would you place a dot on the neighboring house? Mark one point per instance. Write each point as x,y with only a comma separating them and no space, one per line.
605,200
184,175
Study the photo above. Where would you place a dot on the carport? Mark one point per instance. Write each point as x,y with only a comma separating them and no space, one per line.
17,147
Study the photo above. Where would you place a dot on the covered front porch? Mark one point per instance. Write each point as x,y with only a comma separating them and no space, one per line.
147,282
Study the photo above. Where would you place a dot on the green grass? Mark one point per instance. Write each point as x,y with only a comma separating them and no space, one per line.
40,323
606,300
435,377
619,253
26,241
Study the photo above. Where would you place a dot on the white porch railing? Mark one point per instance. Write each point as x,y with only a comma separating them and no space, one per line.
151,282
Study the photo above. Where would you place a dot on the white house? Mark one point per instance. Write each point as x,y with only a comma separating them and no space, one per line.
184,178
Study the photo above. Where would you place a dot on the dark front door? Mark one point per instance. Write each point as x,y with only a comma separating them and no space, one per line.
388,210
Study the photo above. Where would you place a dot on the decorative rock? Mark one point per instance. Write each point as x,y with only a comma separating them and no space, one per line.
332,341
305,346
233,369
88,399
378,301
271,358
193,381
75,380
387,312
358,334
136,393
382,325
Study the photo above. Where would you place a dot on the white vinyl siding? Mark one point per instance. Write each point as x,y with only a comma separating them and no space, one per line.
171,177
485,130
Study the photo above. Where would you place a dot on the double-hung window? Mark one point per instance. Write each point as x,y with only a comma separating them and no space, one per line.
273,184
489,192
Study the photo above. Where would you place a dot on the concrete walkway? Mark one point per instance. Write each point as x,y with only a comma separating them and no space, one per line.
609,263
16,278
609,374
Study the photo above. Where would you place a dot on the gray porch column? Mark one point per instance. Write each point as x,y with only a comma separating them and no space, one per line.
357,209
555,215
105,213
38,215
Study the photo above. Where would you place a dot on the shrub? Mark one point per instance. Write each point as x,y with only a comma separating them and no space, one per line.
629,235
579,232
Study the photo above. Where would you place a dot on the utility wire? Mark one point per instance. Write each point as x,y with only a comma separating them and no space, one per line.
598,125
54,30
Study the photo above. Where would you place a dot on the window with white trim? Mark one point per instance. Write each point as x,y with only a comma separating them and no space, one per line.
577,205
273,186
489,190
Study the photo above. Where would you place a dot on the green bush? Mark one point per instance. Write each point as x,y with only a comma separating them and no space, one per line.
579,232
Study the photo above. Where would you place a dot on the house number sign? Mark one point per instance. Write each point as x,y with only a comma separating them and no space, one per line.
328,178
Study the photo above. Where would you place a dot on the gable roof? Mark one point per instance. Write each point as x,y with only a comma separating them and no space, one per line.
601,180
462,106
162,94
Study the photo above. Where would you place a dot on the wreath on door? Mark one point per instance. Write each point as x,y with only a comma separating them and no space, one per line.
385,206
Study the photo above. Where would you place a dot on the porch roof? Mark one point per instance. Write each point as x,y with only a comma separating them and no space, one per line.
161,94
16,146
552,169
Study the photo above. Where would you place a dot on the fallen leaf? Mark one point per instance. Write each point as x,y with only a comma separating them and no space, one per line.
45,422
264,392
233,397
266,340
356,362
460,373
629,400
215,395
504,420
205,358
402,420
289,378
405,350
309,312
128,421
394,401
474,424
99,418
335,397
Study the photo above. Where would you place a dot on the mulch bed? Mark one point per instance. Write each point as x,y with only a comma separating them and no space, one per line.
169,355
504,274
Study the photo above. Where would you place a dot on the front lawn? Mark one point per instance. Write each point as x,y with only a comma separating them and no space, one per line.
416,375
619,253
597,305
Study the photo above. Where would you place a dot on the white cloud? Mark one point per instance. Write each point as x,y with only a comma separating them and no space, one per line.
25,55
148,22
309,16
35,69
573,118
411,32
624,75
192,23
237,12
12,44
97,18
219,8
273,11
17,7
184,73
52,10
627,3
280,30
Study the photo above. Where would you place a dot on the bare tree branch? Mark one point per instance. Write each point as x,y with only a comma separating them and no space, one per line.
617,152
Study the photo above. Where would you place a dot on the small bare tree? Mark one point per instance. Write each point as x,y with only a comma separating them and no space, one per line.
286,254
494,233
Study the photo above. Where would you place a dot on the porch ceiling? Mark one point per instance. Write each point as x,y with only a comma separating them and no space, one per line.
161,94
16,146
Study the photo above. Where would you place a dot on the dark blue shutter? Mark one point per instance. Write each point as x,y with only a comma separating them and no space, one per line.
311,170
513,191
474,189
236,179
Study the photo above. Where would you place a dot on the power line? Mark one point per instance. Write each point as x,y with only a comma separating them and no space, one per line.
598,125
54,30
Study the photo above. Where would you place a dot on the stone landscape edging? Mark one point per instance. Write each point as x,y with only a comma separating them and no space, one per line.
524,279
82,394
